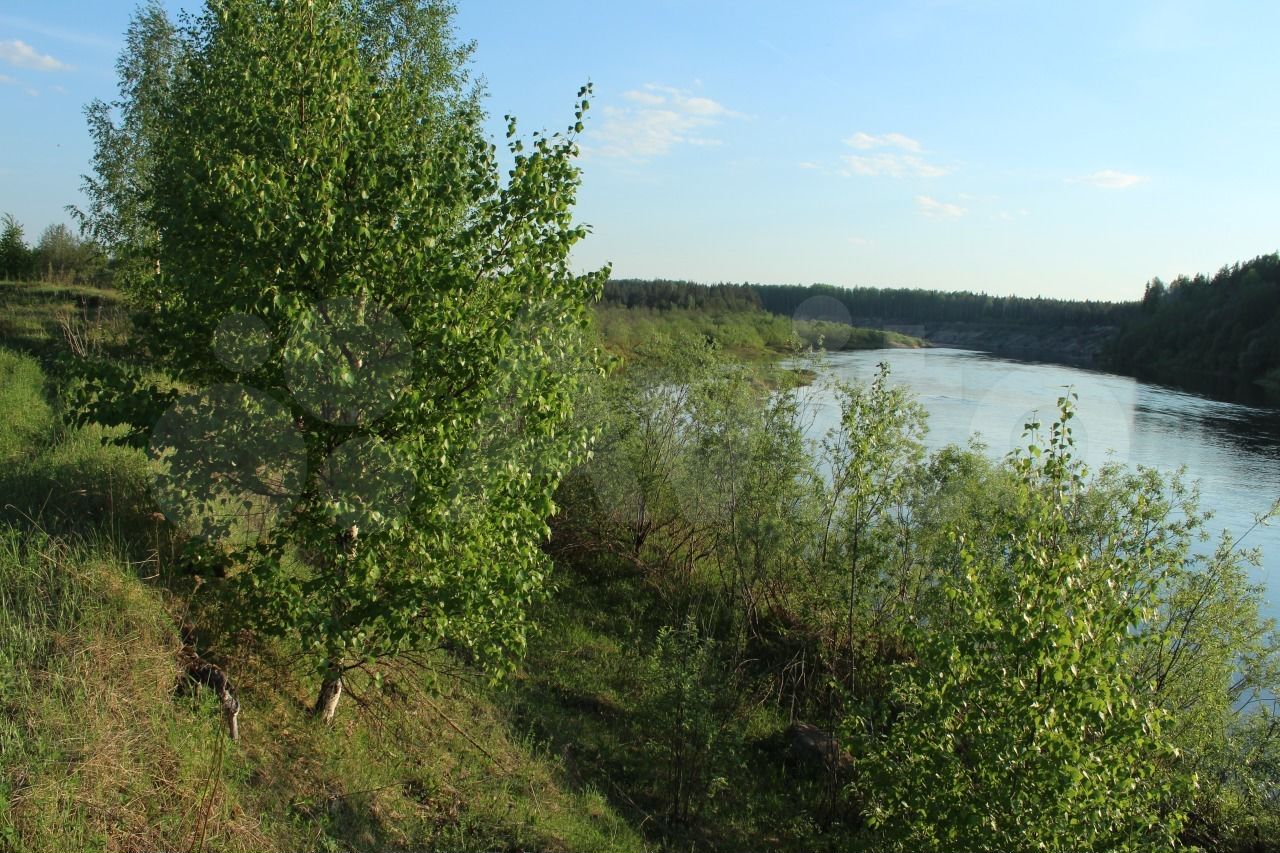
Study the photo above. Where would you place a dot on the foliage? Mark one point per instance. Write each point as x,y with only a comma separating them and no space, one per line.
751,484
15,255
685,692
61,256
322,169
125,134
1219,333
569,761
863,555
870,306
666,295
374,343
1214,667
633,313
874,306
99,751
1020,727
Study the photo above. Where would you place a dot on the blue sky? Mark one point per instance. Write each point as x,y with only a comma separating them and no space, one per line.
1070,150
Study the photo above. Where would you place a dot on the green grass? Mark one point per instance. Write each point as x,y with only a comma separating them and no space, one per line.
580,692
43,318
25,418
98,752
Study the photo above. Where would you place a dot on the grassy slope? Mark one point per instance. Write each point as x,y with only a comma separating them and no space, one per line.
99,751
582,690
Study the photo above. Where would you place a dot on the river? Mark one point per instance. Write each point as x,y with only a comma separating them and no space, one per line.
1233,451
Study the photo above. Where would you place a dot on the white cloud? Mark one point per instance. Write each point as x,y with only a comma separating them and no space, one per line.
866,141
902,161
662,117
809,164
6,80
935,209
22,55
647,98
703,107
1109,179
892,165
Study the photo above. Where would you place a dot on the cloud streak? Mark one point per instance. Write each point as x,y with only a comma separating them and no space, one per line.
935,209
866,141
891,155
22,55
1108,179
889,165
655,120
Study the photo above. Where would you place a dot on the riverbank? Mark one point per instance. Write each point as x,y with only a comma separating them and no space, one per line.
749,334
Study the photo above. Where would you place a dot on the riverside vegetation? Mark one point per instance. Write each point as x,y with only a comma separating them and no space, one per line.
717,586
624,605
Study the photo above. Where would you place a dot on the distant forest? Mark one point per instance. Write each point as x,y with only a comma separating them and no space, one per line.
1218,334
1202,331
662,294
872,305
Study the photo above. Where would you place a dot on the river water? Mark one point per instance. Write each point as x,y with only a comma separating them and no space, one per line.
1233,451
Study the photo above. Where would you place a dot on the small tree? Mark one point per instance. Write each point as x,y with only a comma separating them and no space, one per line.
61,256
124,134
688,701
412,342
872,456
15,256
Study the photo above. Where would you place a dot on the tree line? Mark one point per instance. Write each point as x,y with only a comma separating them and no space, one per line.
59,255
1202,329
871,306
661,294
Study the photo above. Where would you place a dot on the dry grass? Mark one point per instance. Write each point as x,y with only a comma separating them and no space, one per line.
100,751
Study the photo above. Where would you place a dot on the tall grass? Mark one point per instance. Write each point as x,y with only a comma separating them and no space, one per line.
49,319
65,478
96,749
26,420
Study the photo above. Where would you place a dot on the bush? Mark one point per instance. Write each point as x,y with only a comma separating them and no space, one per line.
688,705
15,256
1020,727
